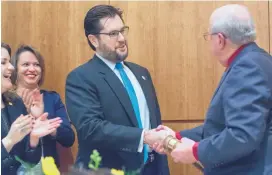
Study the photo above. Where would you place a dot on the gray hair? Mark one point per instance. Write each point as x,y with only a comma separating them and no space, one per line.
235,22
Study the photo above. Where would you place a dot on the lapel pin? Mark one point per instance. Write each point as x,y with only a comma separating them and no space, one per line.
10,103
143,77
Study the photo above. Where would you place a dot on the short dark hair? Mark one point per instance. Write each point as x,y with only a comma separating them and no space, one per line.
6,46
93,16
15,59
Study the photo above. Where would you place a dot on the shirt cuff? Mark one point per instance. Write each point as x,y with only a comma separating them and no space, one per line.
141,144
178,136
195,148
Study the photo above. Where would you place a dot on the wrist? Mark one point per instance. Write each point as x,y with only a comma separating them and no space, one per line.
34,141
54,134
145,134
8,143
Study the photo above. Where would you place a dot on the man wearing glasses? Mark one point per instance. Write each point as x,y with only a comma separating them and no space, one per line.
112,103
236,137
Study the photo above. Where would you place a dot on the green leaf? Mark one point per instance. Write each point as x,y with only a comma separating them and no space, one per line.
92,166
95,153
98,159
93,157
25,164
95,160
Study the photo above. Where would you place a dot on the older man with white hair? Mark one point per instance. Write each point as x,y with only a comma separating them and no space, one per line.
236,137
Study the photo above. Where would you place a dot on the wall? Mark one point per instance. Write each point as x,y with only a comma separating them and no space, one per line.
166,37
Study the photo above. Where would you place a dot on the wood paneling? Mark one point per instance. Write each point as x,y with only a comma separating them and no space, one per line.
177,168
55,29
270,25
167,38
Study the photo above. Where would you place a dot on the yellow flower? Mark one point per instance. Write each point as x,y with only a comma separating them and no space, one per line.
49,167
117,172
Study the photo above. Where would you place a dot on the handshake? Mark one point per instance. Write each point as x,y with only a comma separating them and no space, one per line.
163,140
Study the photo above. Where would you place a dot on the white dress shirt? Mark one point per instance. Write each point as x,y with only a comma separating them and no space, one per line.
144,111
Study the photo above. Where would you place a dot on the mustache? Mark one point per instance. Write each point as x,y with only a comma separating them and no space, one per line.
122,43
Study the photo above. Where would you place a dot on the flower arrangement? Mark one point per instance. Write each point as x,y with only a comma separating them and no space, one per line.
28,168
94,164
47,166
95,160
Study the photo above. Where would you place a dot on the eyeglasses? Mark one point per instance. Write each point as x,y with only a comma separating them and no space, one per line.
114,34
207,34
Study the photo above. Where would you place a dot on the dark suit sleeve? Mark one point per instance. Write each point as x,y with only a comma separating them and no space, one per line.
28,155
25,152
4,152
195,134
246,110
6,159
32,155
65,134
86,113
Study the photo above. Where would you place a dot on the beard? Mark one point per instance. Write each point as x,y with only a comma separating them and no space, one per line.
113,55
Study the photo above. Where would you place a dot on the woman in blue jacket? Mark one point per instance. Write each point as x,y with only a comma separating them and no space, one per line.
17,127
29,75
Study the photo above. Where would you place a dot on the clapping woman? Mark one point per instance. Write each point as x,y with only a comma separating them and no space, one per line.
16,124
28,77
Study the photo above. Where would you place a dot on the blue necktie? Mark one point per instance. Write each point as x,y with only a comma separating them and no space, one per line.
133,99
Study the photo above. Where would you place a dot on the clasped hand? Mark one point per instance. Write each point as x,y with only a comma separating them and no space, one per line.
183,151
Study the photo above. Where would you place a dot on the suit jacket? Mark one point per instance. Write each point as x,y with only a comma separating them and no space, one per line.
65,134
236,137
101,111
22,149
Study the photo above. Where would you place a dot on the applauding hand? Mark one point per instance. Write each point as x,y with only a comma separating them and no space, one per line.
42,127
33,101
18,130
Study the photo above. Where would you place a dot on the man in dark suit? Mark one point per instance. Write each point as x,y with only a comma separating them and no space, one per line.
112,103
236,137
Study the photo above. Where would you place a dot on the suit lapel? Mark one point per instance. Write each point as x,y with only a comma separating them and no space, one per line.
117,88
221,81
249,47
12,112
145,85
